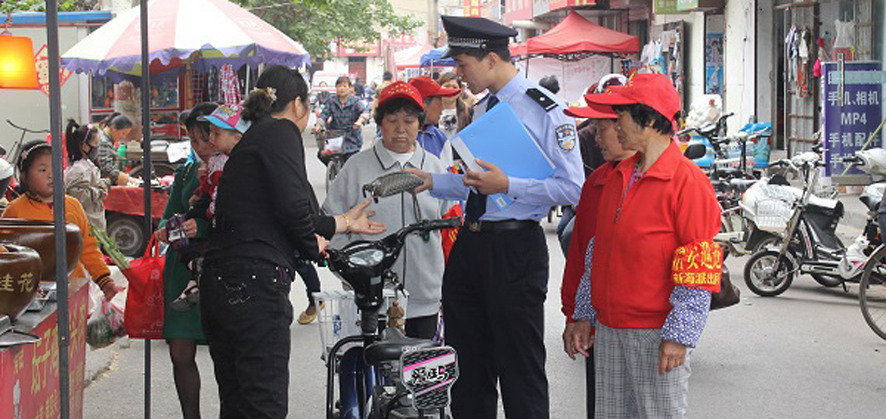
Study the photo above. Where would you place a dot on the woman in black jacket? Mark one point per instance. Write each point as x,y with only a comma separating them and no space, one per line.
267,221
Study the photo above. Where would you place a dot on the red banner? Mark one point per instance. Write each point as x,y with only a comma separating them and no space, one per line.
29,374
42,59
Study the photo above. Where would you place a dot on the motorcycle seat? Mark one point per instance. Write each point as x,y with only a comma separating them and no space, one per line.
869,202
729,172
392,345
741,185
720,185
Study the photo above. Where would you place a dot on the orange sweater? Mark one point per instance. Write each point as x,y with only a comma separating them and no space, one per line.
91,258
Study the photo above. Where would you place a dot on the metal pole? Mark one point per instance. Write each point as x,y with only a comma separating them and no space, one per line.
147,173
58,213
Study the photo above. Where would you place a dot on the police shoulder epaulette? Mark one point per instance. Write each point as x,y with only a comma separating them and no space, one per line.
542,99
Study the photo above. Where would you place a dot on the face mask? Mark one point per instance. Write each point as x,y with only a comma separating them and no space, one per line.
92,154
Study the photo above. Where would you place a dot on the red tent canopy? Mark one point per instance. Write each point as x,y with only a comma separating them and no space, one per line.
575,35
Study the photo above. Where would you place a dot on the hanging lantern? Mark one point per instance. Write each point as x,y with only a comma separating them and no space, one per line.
18,70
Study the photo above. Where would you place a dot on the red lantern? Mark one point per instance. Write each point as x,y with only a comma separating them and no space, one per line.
18,69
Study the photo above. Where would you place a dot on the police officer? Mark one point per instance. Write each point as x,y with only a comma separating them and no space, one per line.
496,279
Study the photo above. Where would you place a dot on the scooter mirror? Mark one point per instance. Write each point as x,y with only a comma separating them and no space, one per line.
695,151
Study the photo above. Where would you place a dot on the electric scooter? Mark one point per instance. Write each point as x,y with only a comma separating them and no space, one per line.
382,373
810,245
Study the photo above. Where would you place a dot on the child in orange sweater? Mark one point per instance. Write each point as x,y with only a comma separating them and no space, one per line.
35,168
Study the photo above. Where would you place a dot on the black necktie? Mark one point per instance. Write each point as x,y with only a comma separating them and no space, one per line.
476,205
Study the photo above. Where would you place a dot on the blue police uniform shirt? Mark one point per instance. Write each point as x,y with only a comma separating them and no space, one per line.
555,133
432,139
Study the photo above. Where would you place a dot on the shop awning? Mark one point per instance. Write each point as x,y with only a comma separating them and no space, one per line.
216,30
576,35
411,57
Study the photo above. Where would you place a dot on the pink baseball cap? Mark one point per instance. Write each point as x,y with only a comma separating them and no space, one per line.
227,117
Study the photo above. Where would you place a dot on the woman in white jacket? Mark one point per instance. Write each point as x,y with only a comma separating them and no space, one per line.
400,115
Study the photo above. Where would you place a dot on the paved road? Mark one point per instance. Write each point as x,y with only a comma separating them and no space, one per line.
805,354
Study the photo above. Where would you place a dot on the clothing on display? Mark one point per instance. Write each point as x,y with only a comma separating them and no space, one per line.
229,85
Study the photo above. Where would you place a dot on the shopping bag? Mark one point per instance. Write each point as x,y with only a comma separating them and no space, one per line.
105,324
144,302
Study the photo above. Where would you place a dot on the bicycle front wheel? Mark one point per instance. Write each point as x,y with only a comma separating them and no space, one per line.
872,292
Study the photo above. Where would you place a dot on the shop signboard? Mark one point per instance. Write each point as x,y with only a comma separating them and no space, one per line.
689,5
852,111
713,82
359,48
473,8
517,10
559,4
665,7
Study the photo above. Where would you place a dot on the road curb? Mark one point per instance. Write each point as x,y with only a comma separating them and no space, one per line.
100,361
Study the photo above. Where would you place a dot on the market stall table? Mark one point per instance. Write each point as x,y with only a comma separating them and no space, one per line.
29,373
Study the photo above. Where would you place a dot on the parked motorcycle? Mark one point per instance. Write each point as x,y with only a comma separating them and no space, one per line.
811,245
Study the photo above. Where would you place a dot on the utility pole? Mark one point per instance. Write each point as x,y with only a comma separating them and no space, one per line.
433,18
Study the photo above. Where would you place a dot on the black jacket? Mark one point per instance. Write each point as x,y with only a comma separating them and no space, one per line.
265,208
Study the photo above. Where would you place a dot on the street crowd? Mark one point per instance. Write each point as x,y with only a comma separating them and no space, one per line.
641,264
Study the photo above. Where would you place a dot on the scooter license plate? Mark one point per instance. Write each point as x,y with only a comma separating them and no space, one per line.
429,374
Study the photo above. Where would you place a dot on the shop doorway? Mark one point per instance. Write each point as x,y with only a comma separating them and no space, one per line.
357,68
826,31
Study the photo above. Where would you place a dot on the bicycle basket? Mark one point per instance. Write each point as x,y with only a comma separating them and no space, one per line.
332,141
339,317
773,215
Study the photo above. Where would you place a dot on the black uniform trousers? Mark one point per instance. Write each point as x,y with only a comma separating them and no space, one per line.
494,291
246,317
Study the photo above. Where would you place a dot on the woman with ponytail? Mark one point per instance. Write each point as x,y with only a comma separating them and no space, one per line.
115,128
83,179
267,224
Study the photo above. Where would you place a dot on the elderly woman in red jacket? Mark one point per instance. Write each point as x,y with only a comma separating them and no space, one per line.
654,262
578,331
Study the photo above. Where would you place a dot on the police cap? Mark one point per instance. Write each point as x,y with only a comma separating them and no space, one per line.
475,33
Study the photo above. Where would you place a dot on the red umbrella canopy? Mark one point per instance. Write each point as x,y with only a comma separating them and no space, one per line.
575,34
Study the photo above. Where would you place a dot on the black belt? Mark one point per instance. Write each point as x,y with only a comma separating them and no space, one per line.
506,225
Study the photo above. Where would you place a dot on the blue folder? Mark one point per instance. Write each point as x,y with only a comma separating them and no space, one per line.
498,137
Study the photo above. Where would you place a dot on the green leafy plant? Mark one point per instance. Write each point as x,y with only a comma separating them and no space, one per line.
317,23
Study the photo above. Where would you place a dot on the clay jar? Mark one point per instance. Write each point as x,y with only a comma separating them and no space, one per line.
39,236
19,279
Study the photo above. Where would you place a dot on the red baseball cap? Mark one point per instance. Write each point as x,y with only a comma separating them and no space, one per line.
653,90
591,111
399,89
430,88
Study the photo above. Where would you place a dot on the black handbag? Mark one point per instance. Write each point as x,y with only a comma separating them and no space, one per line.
729,294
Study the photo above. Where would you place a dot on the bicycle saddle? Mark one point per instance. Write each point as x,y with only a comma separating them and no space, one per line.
741,185
392,345
392,184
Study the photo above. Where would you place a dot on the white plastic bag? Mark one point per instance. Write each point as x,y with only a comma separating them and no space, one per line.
105,325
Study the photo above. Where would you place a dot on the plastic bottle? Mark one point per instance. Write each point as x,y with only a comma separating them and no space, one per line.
121,153
336,326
